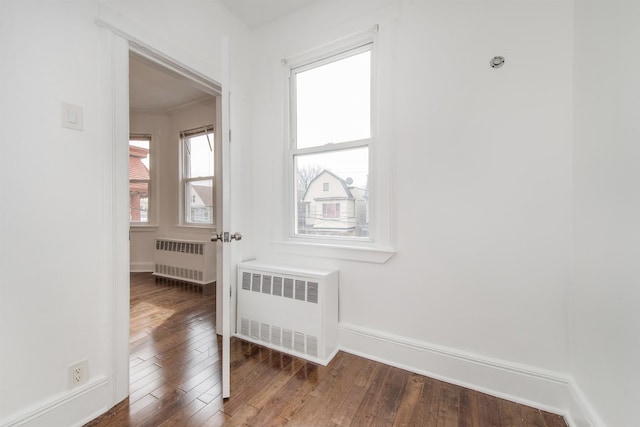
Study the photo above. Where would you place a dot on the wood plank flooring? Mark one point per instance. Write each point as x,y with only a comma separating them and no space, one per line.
175,380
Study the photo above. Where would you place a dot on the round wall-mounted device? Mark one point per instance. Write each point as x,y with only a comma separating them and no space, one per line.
497,62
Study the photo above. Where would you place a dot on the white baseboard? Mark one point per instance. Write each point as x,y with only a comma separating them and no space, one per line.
546,390
73,408
591,417
141,267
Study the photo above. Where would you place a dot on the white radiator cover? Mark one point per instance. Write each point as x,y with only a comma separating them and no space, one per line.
291,310
187,260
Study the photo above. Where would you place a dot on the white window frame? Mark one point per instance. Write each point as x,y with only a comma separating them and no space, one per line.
378,246
346,52
151,211
186,181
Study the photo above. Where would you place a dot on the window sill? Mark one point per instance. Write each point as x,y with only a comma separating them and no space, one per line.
142,228
375,255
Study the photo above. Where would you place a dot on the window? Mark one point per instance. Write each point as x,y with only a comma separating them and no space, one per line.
330,110
331,210
197,147
139,178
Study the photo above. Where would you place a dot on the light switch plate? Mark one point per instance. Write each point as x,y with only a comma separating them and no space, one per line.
72,116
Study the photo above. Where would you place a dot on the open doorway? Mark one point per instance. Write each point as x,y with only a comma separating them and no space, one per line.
172,126
172,161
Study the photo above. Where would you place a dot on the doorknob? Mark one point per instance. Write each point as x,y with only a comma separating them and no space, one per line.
226,236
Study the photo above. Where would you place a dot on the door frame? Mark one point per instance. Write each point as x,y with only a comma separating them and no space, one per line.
119,37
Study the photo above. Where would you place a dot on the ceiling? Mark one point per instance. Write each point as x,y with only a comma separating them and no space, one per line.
153,88
255,13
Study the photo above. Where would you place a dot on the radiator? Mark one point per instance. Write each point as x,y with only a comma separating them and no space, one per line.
187,260
291,310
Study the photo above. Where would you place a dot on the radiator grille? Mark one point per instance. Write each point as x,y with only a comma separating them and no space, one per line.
312,292
290,310
276,335
277,286
302,291
265,332
180,272
184,260
288,288
266,284
246,281
312,345
181,247
287,338
292,340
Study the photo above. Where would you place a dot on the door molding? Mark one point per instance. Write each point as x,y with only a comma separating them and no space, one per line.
121,36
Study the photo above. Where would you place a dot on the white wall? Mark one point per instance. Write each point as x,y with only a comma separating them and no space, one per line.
165,130
481,170
56,249
52,257
605,294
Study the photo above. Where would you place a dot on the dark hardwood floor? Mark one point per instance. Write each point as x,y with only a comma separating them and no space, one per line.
175,380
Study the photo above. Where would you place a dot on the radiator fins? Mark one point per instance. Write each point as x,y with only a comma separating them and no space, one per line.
273,285
179,272
182,247
281,337
285,337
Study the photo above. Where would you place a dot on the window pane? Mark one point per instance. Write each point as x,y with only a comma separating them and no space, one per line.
332,197
199,201
333,102
199,156
139,201
139,179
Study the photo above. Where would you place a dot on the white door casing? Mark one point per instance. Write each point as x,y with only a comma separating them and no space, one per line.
121,36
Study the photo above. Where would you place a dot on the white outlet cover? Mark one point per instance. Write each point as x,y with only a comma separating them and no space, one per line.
78,373
72,116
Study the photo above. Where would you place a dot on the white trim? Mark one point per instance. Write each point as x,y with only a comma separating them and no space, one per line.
329,148
584,406
547,390
116,211
332,48
159,51
380,238
195,226
123,36
142,228
141,267
87,400
185,181
152,181
377,255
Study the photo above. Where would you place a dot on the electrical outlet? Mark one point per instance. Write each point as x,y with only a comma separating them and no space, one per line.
78,373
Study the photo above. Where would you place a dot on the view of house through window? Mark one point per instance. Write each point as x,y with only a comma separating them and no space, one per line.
331,113
198,175
139,178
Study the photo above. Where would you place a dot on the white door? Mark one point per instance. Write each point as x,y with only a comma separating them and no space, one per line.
223,221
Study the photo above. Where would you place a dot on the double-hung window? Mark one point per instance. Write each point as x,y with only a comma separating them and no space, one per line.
139,178
198,180
331,144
